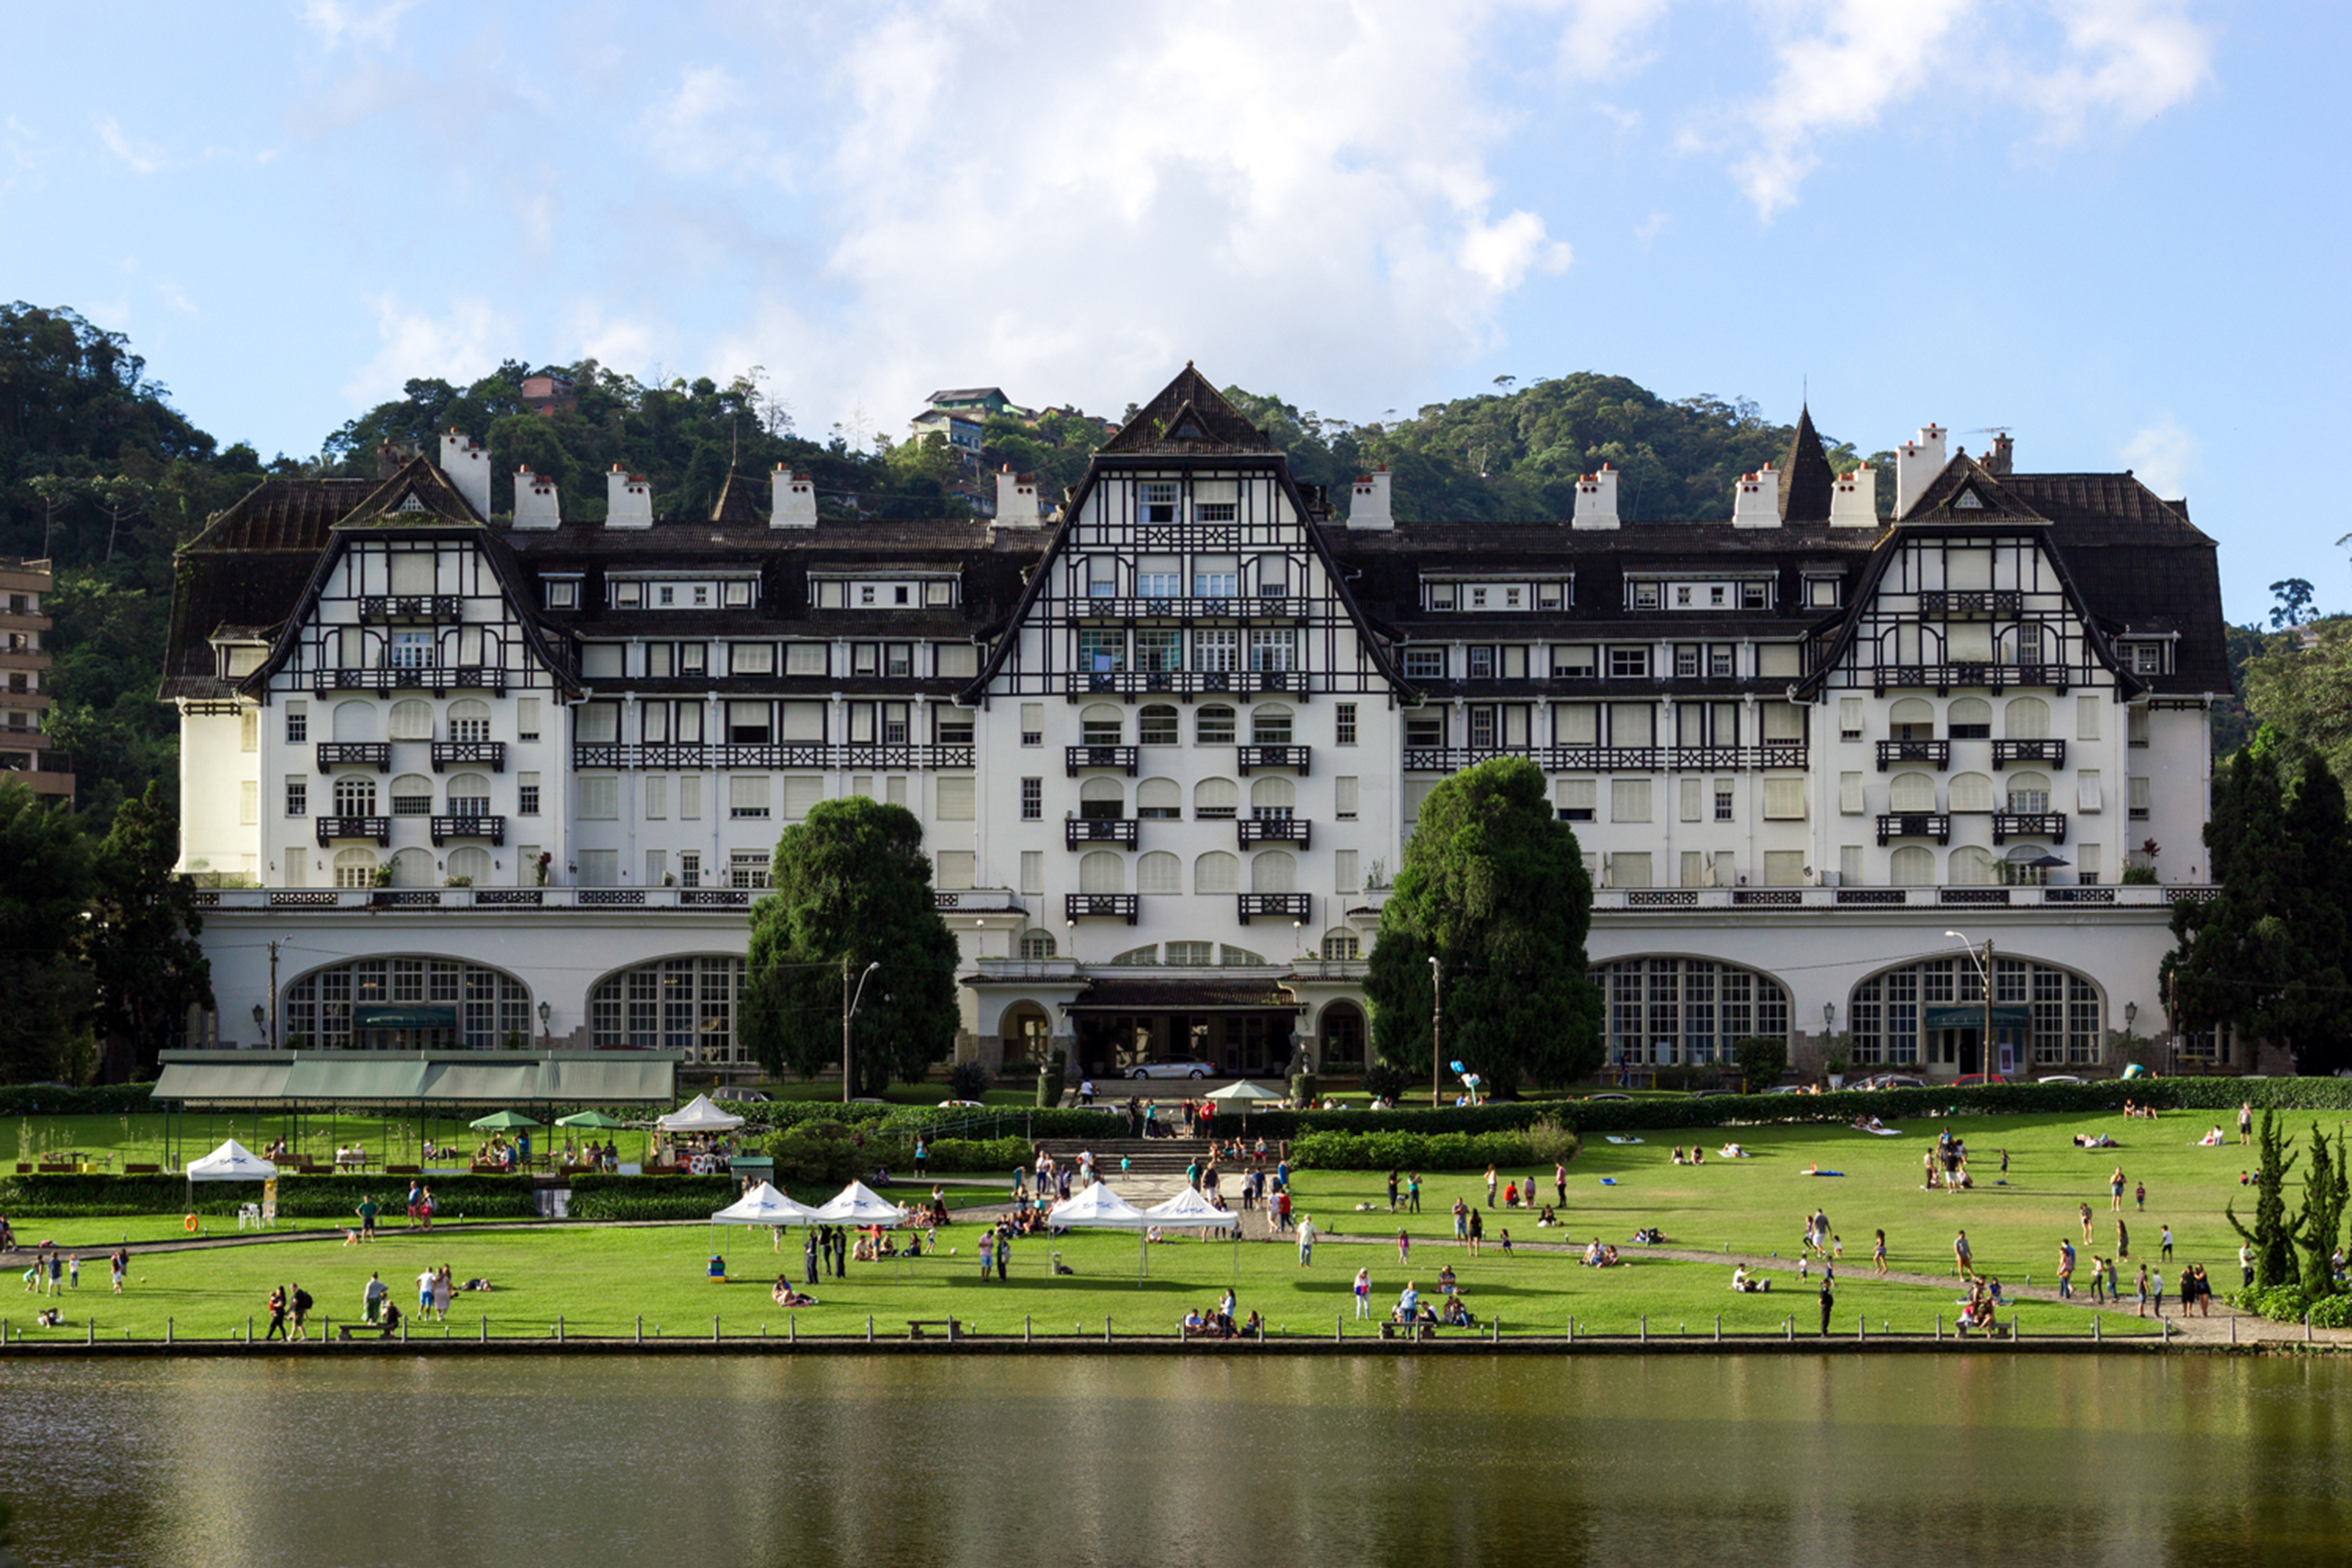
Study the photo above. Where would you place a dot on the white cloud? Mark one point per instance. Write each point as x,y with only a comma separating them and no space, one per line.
24,157
339,21
2132,61
1075,211
1597,39
711,125
460,345
174,295
2161,455
140,157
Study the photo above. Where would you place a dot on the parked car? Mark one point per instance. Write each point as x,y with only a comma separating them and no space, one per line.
1610,1096
1180,1067
2061,1077
962,1105
1894,1081
1785,1088
1707,1094
1978,1080
739,1096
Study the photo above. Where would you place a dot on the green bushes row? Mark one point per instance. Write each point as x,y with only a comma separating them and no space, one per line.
111,1099
1512,1153
649,1198
298,1197
2288,1303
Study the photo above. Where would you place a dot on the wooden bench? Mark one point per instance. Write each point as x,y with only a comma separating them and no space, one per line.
403,1170
143,1170
916,1325
1406,1330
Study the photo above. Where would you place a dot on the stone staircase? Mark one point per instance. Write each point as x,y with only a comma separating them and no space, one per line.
1155,1166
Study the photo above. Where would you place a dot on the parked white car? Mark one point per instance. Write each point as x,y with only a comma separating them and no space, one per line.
1178,1068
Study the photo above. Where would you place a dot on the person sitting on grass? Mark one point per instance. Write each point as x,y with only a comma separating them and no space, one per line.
1457,1315
1445,1280
1747,1284
784,1296
1547,1219
1192,1326
1677,1157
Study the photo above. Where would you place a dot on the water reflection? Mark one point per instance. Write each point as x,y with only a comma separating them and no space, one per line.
827,1460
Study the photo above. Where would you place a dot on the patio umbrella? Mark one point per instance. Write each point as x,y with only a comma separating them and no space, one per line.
597,1119
502,1121
1245,1093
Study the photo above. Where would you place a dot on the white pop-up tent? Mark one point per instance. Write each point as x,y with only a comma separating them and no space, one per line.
763,1205
698,1115
1096,1209
857,1204
231,1162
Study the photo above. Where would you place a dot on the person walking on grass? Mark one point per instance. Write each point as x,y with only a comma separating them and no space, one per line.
120,1266
2140,1309
2164,1242
2246,1121
1404,1248
2065,1269
1461,1221
1828,1303
2139,1197
988,1253
1306,1239
2115,1191
1413,1192
1392,1186
1489,1186
1363,1294
2086,1225
367,1212
2156,1289
1878,1252
1560,1180
1004,1257
2123,1240
1477,1232
1961,1268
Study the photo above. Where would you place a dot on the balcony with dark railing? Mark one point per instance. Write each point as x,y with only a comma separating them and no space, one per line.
1180,683
2028,824
1076,759
1971,601
1936,753
1111,906
355,754
470,753
683,756
1915,824
1275,906
1263,757
1981,674
435,678
331,828
1081,832
1238,607
492,829
1274,830
379,608
2008,752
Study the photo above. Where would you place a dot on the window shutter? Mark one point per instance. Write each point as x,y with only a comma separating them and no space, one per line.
2086,790
1629,801
801,791
1849,794
955,798
746,795
600,797
1785,800
953,868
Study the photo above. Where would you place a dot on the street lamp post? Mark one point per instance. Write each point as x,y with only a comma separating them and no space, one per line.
850,1001
1985,971
1437,1032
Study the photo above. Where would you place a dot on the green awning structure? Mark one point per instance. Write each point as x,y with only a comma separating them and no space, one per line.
502,1121
437,1080
1973,1018
403,1015
592,1119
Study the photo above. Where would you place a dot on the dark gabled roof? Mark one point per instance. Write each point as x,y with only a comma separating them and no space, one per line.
967,395
1968,492
282,513
2097,497
735,500
245,571
1188,418
1806,479
416,493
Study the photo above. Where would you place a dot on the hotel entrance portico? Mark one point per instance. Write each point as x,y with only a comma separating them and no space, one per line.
1239,1028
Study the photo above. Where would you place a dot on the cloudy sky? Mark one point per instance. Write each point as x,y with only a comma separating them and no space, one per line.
2113,226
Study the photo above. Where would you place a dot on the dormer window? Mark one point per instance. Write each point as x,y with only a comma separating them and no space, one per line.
1478,598
900,594
628,596
563,595
1753,596
865,595
1715,596
1681,598
1645,595
668,595
738,594
1158,500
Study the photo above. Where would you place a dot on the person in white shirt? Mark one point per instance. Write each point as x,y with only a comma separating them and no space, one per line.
372,1298
1306,1239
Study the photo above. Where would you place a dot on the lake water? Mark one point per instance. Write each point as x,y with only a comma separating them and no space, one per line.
1630,1463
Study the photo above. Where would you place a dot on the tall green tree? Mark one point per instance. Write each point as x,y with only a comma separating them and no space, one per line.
852,887
2326,1191
1493,887
2305,694
140,940
45,887
2270,955
2270,1236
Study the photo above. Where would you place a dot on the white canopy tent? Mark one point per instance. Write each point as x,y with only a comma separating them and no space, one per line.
857,1204
1190,1211
1096,1209
698,1115
763,1205
1101,1208
231,1162
1244,1093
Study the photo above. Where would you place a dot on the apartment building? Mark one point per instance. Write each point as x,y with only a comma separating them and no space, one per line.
26,702
486,782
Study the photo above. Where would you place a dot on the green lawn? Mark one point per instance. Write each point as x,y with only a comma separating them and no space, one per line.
598,1280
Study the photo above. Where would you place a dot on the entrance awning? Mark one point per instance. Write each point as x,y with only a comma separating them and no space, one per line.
1182,996
2013,1016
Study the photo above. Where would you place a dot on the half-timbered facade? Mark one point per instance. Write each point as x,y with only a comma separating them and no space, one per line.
487,777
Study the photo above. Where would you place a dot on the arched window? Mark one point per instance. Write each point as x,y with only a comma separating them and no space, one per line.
1341,942
1270,725
1100,871
1214,726
1159,799
1036,945
2029,791
413,720
354,868
2025,718
1969,718
1911,1016
2020,870
354,721
469,720
1149,953
1160,872
1971,866
1909,795
1274,871
1217,872
355,795
1667,1011
472,865
684,1005
1157,724
1272,796
1912,718
347,1006
1102,725
412,795
1912,866
2022,644
1102,800
469,796
412,869
1972,793
1215,799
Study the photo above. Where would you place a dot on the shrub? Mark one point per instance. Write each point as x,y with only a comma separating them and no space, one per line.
971,1080
1762,1059
646,1198
298,1197
1381,1151
1385,1081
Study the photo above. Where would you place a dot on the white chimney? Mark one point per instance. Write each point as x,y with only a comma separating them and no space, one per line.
1755,499
1853,499
1017,499
1367,505
534,501
628,499
1916,466
1596,499
792,499
467,463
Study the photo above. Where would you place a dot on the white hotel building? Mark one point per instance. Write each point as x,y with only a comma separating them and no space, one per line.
482,781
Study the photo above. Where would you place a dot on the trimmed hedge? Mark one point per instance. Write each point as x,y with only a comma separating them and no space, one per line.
650,1196
1513,1153
298,1197
111,1099
2287,1305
